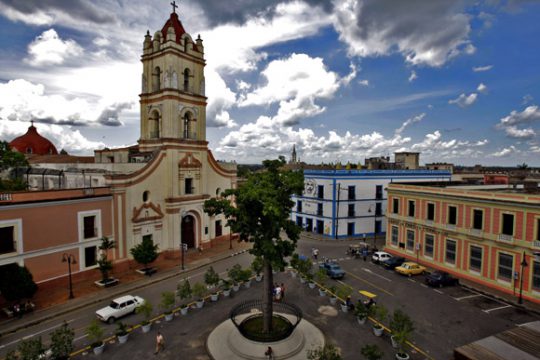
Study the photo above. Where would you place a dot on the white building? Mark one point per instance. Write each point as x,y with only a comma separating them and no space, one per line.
351,203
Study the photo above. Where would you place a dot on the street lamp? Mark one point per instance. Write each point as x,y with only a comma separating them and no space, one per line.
183,249
70,259
523,265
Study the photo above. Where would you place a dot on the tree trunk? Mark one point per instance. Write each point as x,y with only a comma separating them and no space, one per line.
267,297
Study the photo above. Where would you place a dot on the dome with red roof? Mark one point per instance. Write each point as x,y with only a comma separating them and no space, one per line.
33,143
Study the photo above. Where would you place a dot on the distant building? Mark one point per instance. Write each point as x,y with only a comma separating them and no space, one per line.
378,163
407,160
481,233
496,179
350,203
33,143
440,166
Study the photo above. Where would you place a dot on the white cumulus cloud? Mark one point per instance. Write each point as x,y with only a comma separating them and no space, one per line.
410,121
49,49
482,88
413,76
464,100
482,68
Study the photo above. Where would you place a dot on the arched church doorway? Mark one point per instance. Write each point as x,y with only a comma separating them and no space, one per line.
188,231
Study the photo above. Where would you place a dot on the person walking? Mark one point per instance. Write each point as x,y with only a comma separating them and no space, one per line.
315,253
160,343
269,353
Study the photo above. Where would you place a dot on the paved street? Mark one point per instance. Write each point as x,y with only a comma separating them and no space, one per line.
445,318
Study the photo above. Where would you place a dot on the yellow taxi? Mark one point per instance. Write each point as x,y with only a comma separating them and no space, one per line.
410,268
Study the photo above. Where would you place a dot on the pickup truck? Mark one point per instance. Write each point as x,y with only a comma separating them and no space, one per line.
333,270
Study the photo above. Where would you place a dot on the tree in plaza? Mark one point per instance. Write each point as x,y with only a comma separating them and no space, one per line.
326,352
145,252
259,210
105,265
62,342
9,158
16,282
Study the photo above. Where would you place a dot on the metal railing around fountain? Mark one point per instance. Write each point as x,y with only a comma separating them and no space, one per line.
253,309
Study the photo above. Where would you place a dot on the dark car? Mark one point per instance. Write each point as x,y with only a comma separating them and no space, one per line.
440,279
333,270
393,262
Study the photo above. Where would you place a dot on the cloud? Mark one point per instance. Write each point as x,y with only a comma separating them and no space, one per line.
505,152
109,115
530,114
482,68
514,132
410,121
49,49
487,18
295,82
424,32
413,76
464,101
482,88
46,12
364,82
527,99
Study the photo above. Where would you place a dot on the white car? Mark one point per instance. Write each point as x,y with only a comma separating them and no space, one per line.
380,256
119,307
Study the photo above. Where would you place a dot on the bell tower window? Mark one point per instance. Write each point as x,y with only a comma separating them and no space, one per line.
153,125
156,79
186,79
187,126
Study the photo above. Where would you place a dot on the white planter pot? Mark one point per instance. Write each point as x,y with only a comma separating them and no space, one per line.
169,317
122,339
361,320
302,280
293,274
146,328
378,331
344,308
311,285
98,350
247,284
322,292
184,310
214,297
200,304
402,356
236,287
395,344
333,300
258,278
227,292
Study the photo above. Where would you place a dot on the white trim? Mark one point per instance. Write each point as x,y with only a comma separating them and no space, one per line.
18,234
80,223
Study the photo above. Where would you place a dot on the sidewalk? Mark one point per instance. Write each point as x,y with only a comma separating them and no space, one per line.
53,303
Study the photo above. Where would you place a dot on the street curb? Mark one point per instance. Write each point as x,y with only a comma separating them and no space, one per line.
128,288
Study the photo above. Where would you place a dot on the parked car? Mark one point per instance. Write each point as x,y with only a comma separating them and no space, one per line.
119,307
393,262
333,270
379,256
440,278
410,268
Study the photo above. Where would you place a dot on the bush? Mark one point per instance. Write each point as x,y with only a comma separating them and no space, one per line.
146,309
16,282
371,352
402,326
184,289
380,313
199,290
62,342
343,292
95,333
235,273
167,301
320,277
257,265
245,275
145,252
105,265
31,349
121,329
211,277
326,352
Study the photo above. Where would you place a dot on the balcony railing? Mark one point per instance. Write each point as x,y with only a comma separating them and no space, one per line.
536,243
506,238
475,232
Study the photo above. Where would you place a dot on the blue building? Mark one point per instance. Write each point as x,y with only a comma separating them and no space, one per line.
351,203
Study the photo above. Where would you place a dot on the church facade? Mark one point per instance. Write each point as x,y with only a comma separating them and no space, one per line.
154,189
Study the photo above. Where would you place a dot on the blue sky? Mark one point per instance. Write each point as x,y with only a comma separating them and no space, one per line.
340,79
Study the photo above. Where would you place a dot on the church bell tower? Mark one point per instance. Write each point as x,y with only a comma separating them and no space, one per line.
173,101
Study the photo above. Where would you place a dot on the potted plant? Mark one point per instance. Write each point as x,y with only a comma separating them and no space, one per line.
226,287
167,303
333,296
402,327
362,312
145,253
31,349
371,352
211,278
343,292
380,313
326,352
183,290
95,334
146,309
320,277
235,274
246,277
122,332
199,290
104,264
62,342
257,267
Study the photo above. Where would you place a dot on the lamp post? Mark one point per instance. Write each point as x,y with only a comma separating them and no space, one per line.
523,265
70,259
183,249
230,239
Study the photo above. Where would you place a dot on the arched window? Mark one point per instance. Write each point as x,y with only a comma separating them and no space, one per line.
186,79
187,125
153,125
186,42
156,79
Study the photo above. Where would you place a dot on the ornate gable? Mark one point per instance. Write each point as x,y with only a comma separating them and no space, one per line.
189,161
147,212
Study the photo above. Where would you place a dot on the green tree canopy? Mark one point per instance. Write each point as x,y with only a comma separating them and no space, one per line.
145,252
259,210
9,158
16,282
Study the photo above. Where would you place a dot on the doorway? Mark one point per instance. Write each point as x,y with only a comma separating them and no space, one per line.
187,230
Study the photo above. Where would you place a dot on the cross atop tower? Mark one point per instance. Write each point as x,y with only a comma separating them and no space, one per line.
174,6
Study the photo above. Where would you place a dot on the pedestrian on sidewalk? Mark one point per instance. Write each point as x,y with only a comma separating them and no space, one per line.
269,353
160,343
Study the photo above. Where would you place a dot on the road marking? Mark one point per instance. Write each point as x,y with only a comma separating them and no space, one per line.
370,284
467,297
411,280
32,335
497,308
438,291
372,273
423,285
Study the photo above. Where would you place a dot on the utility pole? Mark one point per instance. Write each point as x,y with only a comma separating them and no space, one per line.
523,265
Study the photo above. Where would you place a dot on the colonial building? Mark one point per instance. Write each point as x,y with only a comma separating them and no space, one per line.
488,234
155,189
350,203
